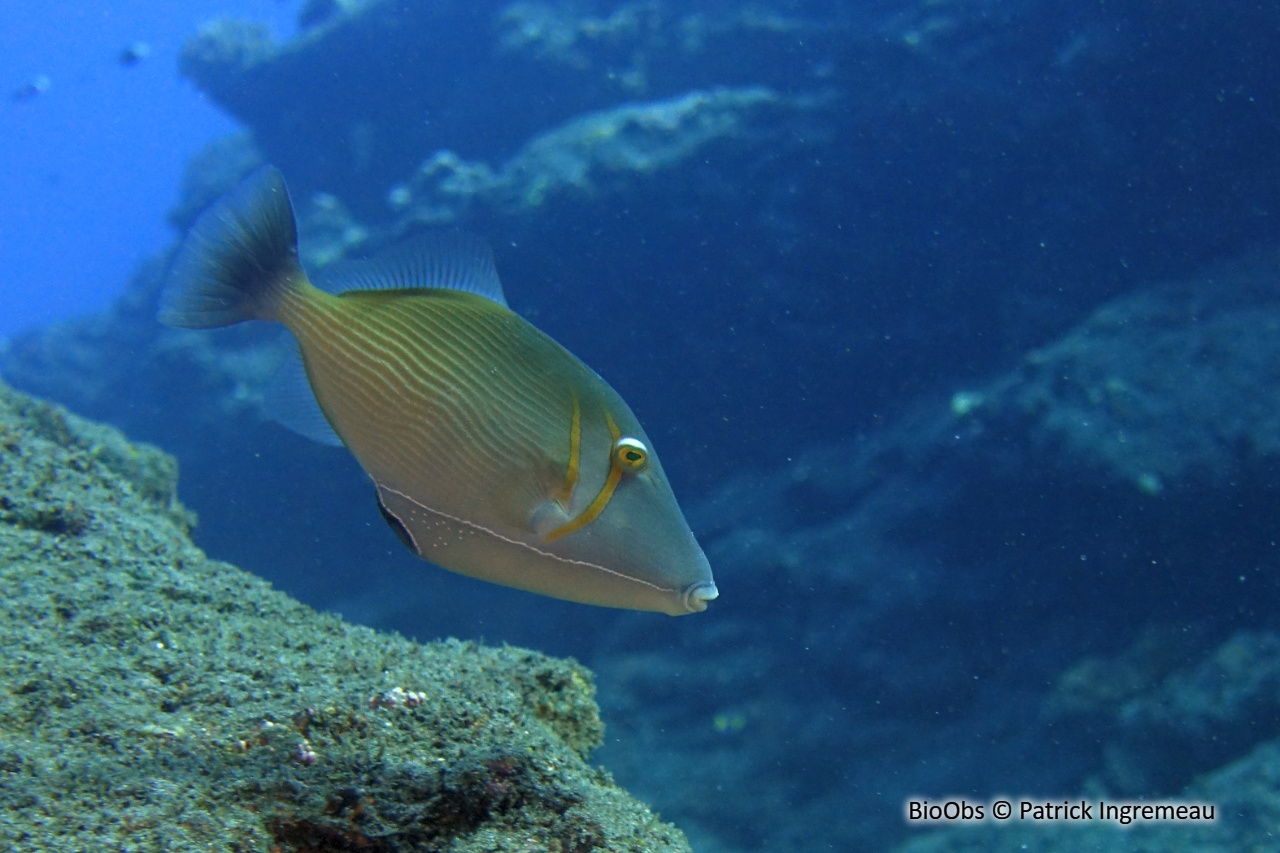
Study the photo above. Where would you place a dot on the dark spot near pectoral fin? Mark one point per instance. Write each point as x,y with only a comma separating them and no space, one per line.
397,526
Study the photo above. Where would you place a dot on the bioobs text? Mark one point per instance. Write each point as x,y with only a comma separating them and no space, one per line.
946,811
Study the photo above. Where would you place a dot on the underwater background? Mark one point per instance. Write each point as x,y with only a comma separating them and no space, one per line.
956,324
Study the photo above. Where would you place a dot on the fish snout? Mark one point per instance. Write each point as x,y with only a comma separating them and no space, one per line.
696,596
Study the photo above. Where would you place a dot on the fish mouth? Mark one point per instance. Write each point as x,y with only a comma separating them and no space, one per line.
696,596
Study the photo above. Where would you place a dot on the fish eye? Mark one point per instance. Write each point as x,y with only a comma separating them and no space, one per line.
630,454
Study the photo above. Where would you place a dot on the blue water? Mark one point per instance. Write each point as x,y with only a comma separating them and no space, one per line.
92,163
913,596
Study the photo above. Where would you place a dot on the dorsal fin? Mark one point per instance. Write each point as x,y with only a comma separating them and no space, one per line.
451,260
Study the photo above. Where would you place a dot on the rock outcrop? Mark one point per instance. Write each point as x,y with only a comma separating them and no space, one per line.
152,698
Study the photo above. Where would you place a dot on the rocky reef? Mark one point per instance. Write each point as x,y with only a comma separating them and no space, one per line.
154,699
368,92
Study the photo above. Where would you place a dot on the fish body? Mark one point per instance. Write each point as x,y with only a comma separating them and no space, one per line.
494,451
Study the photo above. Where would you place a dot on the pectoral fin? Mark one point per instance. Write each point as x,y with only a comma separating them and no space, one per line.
547,516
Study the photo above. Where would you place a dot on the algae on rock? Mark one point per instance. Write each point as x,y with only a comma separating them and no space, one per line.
153,699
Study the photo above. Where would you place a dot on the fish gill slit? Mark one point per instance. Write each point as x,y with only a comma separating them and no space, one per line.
575,450
597,506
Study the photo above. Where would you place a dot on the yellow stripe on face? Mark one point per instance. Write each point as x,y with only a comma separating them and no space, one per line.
597,506
575,450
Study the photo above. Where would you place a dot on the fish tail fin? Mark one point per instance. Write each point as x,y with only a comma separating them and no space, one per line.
238,260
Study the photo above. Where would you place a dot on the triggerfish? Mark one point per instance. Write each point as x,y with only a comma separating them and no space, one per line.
494,452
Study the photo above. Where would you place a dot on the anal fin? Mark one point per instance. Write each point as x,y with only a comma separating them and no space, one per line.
290,402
